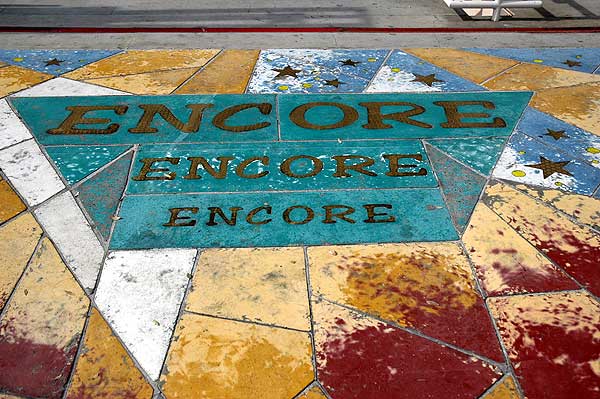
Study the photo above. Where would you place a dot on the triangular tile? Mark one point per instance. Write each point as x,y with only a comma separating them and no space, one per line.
54,62
15,78
480,154
101,194
161,82
75,163
404,72
475,67
576,59
61,87
461,186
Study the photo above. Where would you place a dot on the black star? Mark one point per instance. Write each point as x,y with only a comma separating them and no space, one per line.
287,71
551,167
333,82
556,134
53,61
572,64
349,62
426,79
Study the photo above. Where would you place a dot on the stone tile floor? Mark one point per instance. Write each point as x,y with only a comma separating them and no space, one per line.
504,304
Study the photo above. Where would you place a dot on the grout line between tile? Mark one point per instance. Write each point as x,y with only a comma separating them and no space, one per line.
202,68
482,84
246,321
310,315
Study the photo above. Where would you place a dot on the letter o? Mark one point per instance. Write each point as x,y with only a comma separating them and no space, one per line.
286,166
310,214
298,116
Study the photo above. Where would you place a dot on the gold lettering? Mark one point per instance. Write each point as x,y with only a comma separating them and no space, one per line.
77,118
253,212
197,161
329,215
214,211
286,166
375,117
394,165
341,170
175,217
310,215
220,120
298,116
371,213
241,169
150,111
147,168
455,118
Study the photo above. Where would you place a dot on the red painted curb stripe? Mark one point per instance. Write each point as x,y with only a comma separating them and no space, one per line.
41,29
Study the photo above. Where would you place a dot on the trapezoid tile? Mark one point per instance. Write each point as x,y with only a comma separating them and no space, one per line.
14,79
481,154
12,205
12,130
54,62
505,389
61,87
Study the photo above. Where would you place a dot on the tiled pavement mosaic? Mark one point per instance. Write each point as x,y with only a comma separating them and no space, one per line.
375,257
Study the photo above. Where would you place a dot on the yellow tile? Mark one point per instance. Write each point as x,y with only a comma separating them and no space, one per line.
537,77
583,208
163,82
18,239
15,78
265,284
473,66
506,389
578,105
216,358
104,369
313,393
228,73
508,264
143,61
49,307
381,278
11,203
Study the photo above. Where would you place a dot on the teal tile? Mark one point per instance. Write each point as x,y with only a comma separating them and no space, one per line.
45,113
101,194
418,215
346,118
281,167
77,162
461,186
479,153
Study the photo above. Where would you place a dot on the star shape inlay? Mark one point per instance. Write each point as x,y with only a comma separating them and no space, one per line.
550,167
572,64
333,82
54,61
556,134
287,71
349,62
426,79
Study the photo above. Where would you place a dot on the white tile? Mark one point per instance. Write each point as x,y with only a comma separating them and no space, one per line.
60,87
66,225
140,293
30,172
12,130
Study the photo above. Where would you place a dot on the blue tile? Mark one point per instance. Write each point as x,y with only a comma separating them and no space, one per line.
100,195
589,58
415,215
275,169
404,72
316,71
563,171
461,187
44,113
564,136
479,153
508,106
54,62
75,163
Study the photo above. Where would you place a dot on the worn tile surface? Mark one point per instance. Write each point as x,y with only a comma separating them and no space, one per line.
211,229
266,285
215,358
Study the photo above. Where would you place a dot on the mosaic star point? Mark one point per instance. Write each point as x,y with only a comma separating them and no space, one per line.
287,71
429,80
550,167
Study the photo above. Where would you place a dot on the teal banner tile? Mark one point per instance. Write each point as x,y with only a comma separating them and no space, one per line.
400,116
280,166
169,119
282,219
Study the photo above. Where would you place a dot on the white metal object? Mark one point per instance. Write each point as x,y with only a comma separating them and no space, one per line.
497,5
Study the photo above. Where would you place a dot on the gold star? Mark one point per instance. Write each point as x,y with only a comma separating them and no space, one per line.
426,79
333,82
287,71
349,62
551,167
53,61
556,134
572,64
